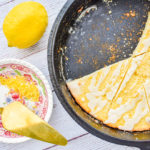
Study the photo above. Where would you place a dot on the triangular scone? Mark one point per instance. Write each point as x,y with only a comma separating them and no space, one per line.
94,92
144,43
129,110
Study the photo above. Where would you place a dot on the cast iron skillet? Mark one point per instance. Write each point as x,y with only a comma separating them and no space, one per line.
107,33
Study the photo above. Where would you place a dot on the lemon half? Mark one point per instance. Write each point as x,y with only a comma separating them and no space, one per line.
25,24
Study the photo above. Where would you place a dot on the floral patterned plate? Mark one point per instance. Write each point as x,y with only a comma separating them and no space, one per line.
14,68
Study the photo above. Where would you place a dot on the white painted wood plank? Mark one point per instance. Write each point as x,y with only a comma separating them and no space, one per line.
4,2
52,7
90,142
40,61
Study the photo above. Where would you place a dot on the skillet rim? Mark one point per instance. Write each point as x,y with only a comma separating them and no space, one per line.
52,72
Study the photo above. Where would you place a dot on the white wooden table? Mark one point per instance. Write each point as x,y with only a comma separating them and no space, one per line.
78,138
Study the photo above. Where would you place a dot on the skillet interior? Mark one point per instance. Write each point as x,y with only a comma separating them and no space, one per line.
106,34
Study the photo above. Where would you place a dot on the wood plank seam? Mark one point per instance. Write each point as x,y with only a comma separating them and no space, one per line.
5,3
72,139
32,53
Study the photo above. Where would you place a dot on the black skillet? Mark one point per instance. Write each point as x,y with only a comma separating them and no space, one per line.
107,33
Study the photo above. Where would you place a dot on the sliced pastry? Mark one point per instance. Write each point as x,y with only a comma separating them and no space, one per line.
118,94
144,43
130,109
95,92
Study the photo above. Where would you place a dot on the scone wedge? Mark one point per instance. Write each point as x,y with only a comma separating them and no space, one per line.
130,108
95,92
144,43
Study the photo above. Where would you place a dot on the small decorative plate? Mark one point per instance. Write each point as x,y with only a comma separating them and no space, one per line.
11,69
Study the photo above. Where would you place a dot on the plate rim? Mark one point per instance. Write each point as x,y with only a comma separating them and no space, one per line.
47,86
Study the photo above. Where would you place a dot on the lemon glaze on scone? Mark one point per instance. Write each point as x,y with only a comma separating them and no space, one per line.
130,108
95,92
144,43
119,100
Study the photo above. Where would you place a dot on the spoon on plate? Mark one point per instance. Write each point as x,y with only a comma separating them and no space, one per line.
19,119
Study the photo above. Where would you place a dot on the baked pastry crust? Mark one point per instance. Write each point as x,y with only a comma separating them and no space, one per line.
118,95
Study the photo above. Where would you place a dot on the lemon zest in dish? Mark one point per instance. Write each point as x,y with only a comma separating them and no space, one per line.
20,85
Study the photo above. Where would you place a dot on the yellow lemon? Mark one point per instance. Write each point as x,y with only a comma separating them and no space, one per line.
25,24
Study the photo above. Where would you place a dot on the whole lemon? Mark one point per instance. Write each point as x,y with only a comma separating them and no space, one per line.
25,24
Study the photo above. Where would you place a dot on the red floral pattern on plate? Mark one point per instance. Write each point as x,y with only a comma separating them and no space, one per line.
40,107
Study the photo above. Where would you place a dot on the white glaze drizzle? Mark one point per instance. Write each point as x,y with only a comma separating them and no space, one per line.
147,90
146,43
143,40
95,100
115,114
147,119
119,100
140,111
131,70
113,87
147,87
113,91
94,86
133,85
83,99
95,97
74,86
